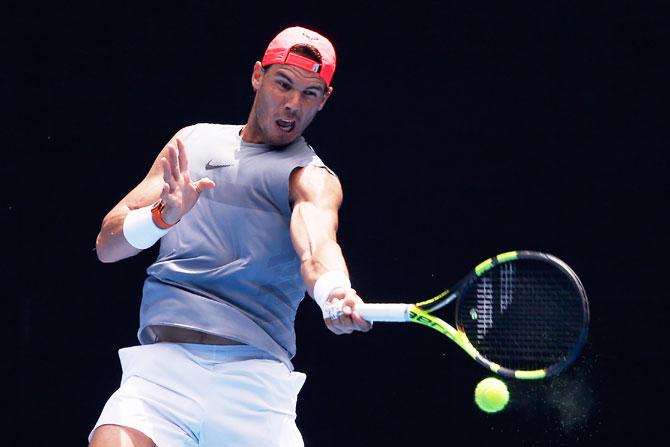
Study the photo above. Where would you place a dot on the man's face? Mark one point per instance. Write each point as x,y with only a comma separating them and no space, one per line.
287,100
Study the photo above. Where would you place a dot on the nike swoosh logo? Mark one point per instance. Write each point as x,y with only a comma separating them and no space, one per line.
215,165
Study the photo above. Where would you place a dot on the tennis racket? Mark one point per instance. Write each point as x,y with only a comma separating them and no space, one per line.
521,314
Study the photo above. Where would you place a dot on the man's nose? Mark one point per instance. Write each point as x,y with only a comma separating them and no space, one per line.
293,100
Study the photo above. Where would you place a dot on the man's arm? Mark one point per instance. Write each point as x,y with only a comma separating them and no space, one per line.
169,180
316,195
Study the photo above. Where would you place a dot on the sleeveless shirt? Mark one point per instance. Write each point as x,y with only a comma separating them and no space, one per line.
228,268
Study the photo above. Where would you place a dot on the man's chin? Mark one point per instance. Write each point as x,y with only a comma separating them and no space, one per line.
284,139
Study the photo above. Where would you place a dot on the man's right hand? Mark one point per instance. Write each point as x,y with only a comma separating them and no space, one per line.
179,192
349,321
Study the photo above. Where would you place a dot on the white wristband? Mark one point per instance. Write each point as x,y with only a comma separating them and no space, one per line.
140,230
326,283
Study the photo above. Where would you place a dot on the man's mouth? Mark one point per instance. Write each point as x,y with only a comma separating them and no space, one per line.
285,125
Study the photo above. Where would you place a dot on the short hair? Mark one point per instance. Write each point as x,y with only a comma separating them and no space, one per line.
306,51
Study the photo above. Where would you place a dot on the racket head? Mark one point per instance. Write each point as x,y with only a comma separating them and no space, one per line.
521,314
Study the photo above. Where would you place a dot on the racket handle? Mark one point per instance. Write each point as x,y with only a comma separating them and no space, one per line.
391,312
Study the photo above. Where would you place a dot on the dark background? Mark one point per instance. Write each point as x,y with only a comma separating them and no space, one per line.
459,130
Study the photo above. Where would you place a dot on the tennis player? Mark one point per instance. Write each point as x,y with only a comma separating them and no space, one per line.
247,217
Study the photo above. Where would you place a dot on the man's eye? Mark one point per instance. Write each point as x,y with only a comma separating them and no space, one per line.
310,93
283,84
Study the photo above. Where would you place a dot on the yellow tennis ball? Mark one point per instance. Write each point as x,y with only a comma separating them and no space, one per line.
491,395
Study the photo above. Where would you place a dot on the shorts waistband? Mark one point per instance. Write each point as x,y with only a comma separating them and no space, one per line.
176,334
217,353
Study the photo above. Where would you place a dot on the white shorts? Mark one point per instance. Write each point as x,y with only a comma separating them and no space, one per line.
181,394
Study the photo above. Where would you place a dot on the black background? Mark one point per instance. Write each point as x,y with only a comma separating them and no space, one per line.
458,129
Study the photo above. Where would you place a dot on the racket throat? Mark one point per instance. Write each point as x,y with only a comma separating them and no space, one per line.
439,301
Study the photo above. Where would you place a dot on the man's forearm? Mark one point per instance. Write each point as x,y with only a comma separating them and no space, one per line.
327,257
111,245
313,235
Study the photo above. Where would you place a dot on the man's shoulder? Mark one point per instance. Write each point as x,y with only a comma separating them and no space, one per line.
209,131
300,146
213,127
315,183
306,156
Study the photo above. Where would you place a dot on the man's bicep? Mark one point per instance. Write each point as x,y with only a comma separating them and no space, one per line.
314,217
316,185
314,224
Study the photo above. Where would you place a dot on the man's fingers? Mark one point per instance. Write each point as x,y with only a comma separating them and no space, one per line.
333,327
349,320
174,161
349,302
338,329
360,323
167,172
344,324
204,183
165,193
181,156
339,326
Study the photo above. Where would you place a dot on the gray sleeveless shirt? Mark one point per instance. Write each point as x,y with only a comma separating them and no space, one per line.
229,268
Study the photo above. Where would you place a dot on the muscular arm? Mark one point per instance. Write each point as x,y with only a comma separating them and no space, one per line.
317,196
167,179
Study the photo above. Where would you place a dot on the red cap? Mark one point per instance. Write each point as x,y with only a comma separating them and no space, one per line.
278,52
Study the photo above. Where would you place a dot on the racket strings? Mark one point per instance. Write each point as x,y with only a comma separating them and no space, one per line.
523,315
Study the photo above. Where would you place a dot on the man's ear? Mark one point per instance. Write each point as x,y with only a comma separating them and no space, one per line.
257,76
329,91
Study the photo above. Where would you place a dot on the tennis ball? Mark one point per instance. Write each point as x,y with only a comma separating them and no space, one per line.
491,395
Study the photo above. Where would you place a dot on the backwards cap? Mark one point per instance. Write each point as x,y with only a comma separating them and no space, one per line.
279,52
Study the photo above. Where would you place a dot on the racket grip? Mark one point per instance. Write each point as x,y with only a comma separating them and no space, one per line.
391,312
